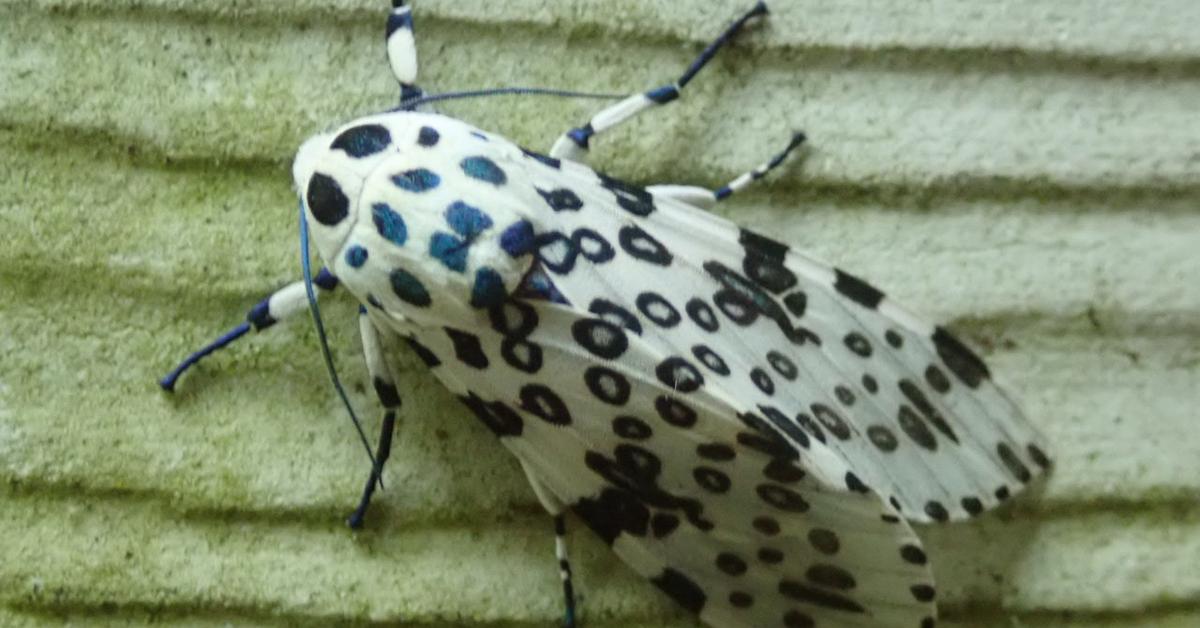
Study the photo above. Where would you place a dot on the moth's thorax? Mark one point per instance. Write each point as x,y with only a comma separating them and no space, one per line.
420,215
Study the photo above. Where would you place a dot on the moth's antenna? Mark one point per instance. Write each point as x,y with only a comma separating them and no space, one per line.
306,265
412,103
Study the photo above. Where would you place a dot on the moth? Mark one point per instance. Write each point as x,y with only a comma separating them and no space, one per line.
750,429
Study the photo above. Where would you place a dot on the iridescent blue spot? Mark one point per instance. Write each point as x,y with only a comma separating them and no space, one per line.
428,136
418,180
538,285
484,169
389,224
517,239
450,250
465,220
488,289
356,256
409,288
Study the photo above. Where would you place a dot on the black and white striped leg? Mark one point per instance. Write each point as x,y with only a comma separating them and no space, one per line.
564,569
574,144
402,50
383,379
281,304
705,198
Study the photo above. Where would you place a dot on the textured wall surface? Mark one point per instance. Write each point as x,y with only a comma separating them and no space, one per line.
1028,171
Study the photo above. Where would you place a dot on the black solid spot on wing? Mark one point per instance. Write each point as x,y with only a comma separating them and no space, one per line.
858,343
936,511
499,418
710,359
783,424
831,576
656,308
545,404
923,592
614,511
783,471
1002,493
869,383
731,564
915,428
782,365
831,420
678,374
681,589
631,198
798,619
607,385
719,452
1013,463
972,505
854,483
616,315
409,288
428,357
643,246
521,354
561,199
913,554
483,169
937,379
796,303
894,338
600,337
675,412
961,361
782,497
362,140
811,426
857,290
770,555
767,526
824,541
513,318
883,438
762,245
326,200
1038,456
918,399
702,315
428,136
467,348
762,381
819,597
632,428
663,524
711,480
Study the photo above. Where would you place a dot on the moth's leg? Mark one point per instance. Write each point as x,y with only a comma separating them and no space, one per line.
574,144
705,198
383,379
556,510
281,304
402,50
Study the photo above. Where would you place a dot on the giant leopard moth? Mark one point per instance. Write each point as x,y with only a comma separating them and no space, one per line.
748,428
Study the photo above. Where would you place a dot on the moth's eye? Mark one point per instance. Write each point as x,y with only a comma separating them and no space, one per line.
328,204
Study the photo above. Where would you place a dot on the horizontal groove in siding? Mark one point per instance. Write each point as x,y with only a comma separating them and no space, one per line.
244,96
1127,29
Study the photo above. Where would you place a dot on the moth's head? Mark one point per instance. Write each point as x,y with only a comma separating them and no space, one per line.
417,207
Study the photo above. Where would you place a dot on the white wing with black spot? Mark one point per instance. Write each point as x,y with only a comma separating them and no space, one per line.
840,369
715,510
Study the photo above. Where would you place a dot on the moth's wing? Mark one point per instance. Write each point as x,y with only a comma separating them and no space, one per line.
832,362
713,508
